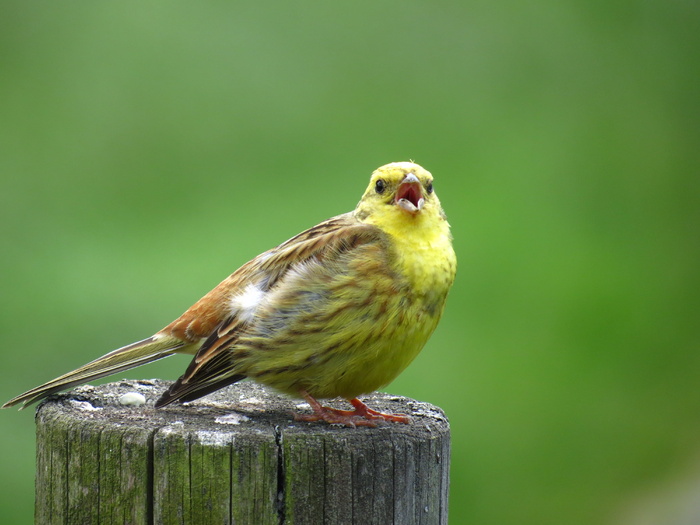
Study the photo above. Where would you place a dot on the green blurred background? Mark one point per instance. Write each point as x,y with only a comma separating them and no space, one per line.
149,149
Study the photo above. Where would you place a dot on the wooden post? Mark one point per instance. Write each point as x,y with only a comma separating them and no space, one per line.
235,456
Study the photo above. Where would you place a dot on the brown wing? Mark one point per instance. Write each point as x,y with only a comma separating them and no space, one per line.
207,314
211,367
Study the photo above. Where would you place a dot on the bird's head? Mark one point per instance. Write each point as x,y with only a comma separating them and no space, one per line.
399,194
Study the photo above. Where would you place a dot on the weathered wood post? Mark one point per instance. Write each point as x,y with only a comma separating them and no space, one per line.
235,456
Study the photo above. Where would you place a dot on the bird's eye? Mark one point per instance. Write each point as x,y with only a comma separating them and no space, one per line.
429,187
380,186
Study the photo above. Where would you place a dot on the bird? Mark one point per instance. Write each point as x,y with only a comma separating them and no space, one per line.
337,311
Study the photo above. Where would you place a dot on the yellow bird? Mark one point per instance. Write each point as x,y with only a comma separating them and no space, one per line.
337,311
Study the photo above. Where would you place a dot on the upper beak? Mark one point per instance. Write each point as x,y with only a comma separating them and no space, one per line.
409,196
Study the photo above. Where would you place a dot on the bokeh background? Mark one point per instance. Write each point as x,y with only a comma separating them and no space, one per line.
149,149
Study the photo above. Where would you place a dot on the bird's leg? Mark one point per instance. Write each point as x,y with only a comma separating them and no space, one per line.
361,416
363,410
332,415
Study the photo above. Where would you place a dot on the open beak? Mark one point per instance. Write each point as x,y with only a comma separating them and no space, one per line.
409,196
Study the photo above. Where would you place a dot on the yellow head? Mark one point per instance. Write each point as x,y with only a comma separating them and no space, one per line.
400,196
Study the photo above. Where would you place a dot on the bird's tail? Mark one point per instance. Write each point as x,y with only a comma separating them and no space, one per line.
129,356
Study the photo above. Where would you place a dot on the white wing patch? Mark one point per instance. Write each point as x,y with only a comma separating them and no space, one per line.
246,303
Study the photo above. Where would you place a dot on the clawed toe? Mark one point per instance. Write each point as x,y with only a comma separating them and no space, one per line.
362,416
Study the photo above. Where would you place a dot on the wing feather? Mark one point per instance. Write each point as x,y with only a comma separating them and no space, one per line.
265,270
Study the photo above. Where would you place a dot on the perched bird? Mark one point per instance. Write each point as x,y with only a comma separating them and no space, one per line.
336,311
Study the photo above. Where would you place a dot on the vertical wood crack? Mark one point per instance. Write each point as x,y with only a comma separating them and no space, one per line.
150,474
281,480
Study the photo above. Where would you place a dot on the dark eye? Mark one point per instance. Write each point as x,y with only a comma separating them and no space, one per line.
429,187
380,186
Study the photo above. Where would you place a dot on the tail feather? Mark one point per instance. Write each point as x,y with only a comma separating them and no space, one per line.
179,392
130,356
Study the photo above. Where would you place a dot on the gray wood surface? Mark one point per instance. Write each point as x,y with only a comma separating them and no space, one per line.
235,456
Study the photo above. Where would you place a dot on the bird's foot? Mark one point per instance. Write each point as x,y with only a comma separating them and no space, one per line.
362,416
366,412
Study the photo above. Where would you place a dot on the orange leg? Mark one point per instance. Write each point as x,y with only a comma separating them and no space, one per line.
361,416
366,412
